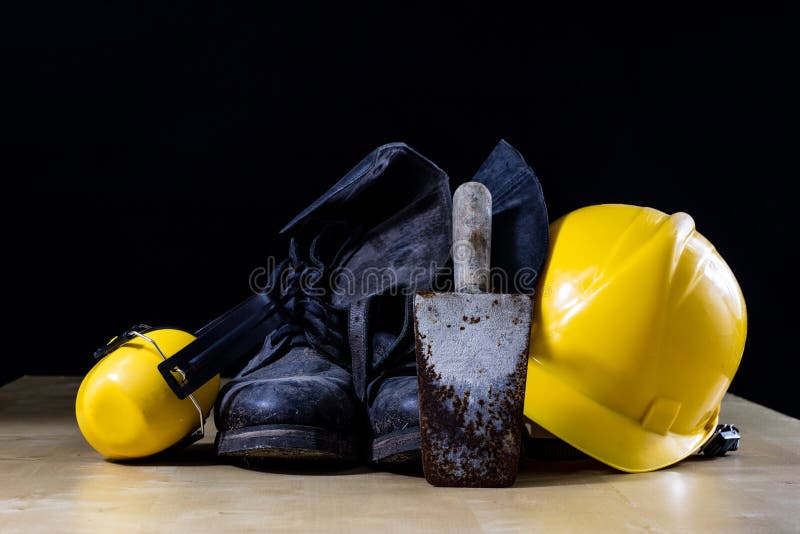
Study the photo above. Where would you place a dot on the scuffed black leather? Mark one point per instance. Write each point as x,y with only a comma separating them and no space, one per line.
301,388
390,365
520,226
396,408
396,207
403,252
301,375
403,202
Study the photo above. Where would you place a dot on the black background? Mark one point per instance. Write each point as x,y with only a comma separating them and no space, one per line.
162,148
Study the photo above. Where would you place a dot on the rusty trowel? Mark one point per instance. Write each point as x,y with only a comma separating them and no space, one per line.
472,349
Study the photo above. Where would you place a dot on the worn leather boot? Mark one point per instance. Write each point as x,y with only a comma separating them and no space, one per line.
385,225
295,397
381,328
385,376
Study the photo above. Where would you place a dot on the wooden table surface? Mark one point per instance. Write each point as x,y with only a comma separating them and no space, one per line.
51,480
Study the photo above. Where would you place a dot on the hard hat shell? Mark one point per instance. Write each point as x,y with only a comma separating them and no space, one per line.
639,327
124,407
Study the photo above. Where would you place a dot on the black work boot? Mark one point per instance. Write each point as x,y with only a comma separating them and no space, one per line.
383,340
385,376
386,223
295,397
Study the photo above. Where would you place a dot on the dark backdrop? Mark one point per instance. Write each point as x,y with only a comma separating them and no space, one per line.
163,148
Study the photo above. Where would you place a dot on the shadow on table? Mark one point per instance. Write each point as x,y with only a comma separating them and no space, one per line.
198,454
532,473
536,474
299,467
202,454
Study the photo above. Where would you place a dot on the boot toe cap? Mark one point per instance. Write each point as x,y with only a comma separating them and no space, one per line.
302,400
396,406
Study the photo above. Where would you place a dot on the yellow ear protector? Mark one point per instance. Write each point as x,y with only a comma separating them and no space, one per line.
153,388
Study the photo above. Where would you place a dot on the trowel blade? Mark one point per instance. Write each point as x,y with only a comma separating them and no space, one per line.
471,362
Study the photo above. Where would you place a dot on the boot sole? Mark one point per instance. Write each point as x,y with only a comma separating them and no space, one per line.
289,442
398,447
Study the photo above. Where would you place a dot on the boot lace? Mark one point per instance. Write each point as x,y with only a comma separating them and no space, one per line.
299,286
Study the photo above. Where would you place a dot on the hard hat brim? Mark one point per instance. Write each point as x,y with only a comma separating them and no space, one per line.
600,432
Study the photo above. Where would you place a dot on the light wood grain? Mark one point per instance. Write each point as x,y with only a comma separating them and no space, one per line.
52,481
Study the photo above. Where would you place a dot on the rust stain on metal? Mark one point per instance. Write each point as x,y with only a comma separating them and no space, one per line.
485,435
471,391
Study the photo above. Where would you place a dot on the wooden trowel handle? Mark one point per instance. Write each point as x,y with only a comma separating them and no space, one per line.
472,237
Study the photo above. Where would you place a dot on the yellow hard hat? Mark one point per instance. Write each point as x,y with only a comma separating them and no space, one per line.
639,327
124,407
